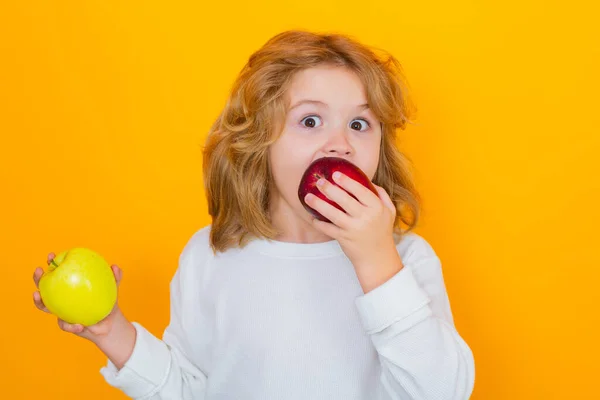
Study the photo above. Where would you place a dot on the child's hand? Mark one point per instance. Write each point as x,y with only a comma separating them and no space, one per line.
94,332
365,231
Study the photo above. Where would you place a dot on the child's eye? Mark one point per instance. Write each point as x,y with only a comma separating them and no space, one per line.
356,124
310,121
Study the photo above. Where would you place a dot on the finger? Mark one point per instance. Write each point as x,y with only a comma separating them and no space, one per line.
362,193
50,257
37,300
72,328
117,272
384,196
340,196
37,274
332,213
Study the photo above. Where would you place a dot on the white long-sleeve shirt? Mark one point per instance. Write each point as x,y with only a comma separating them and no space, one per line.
290,321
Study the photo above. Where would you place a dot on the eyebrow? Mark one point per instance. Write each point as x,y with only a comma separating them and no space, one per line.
318,102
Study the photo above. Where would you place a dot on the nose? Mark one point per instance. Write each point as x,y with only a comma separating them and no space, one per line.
338,144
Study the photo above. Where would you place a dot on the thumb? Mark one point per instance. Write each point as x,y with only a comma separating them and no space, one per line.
117,272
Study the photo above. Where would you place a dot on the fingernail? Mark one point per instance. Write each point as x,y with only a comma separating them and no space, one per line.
321,182
337,175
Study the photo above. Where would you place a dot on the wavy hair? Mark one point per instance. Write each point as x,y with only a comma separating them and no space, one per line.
236,170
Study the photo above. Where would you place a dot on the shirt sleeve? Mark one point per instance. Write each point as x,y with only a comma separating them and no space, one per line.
161,369
409,321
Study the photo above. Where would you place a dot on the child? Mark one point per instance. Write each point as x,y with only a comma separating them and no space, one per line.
269,303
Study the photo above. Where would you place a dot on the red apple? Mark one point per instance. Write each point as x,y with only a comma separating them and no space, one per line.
324,168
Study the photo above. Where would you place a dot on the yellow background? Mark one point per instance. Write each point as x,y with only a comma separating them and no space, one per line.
104,106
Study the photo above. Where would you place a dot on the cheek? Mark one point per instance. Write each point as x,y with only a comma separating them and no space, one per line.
368,157
287,166
292,150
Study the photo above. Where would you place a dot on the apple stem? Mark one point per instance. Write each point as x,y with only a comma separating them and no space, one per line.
52,262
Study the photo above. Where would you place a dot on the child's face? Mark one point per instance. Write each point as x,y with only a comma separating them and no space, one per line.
339,126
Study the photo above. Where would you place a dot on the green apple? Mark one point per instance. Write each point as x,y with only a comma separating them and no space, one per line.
79,287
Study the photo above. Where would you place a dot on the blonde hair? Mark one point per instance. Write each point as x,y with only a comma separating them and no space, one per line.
236,171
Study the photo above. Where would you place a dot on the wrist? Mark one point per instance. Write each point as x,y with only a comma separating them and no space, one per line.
378,270
119,341
369,261
117,323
